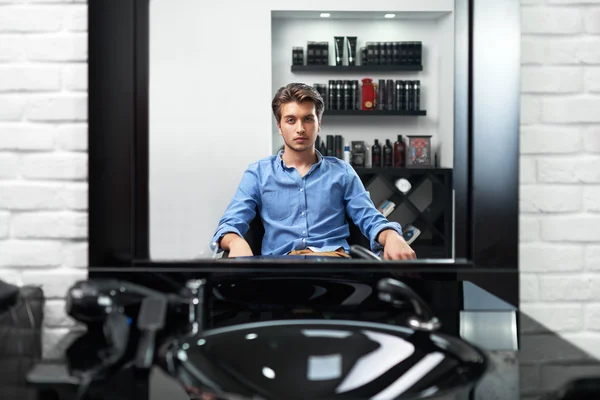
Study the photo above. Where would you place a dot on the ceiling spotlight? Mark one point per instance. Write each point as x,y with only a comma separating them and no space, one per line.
389,15
325,15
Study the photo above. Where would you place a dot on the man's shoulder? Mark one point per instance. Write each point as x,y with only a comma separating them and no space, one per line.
263,162
336,163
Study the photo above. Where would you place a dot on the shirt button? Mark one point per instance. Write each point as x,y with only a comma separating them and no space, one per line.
303,213
304,232
301,189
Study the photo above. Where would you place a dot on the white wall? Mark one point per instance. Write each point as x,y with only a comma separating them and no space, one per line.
210,114
560,186
437,35
43,151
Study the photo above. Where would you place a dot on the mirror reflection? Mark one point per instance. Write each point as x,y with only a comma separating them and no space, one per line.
317,131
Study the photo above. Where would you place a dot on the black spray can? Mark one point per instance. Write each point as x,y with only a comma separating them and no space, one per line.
353,95
417,95
389,92
331,96
339,95
408,95
381,103
347,93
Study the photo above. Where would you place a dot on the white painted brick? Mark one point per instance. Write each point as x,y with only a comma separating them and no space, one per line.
592,317
589,341
20,136
55,315
29,253
22,195
528,288
547,346
592,78
31,19
11,276
12,47
529,229
580,228
591,139
4,222
594,287
591,198
560,51
551,20
9,165
51,337
592,258
55,166
531,110
550,139
62,47
72,137
23,78
569,170
11,107
550,198
591,20
54,282
76,18
549,257
573,109
565,288
72,107
75,254
49,225
527,169
573,1
556,317
542,79
75,77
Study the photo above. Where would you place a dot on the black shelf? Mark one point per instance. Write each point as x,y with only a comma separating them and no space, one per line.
356,68
373,113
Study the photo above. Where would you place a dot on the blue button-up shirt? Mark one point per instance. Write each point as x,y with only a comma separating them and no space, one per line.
300,212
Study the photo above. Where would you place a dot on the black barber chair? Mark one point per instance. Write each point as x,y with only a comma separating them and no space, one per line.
255,234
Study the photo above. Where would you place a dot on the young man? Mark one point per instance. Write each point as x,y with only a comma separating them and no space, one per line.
303,197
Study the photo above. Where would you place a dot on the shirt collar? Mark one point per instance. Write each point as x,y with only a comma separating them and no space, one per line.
282,164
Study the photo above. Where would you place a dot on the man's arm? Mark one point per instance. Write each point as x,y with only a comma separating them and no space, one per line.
381,232
235,222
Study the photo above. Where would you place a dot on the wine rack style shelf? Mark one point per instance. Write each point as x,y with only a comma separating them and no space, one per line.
427,205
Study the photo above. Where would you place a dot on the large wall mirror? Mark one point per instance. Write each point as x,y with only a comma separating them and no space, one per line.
180,95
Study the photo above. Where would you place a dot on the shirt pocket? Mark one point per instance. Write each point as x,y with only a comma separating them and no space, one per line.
279,205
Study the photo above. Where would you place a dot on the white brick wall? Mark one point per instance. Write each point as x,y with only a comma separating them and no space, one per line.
560,189
43,150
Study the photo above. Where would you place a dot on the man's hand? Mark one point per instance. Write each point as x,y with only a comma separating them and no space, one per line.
237,246
395,247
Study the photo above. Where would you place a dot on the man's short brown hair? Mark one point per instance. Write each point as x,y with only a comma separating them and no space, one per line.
297,92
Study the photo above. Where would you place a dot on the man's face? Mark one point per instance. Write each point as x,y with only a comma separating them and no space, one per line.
299,125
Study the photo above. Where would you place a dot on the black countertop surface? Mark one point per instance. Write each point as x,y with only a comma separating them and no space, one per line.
466,310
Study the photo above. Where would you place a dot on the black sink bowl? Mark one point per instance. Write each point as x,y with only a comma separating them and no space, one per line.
318,359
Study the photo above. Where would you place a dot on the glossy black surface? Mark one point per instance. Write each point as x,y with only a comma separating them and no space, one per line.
324,360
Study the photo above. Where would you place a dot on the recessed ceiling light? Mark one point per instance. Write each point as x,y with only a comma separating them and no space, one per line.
389,15
325,15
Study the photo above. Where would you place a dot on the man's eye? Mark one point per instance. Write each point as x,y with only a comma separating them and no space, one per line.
309,119
289,120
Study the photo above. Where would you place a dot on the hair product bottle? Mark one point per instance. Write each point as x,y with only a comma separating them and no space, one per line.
400,153
376,154
387,154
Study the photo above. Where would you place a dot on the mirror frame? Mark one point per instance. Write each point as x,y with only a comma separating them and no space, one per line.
486,148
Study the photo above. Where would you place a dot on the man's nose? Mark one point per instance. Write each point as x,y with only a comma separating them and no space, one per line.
300,127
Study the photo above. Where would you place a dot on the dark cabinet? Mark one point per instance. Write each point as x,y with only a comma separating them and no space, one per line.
427,205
